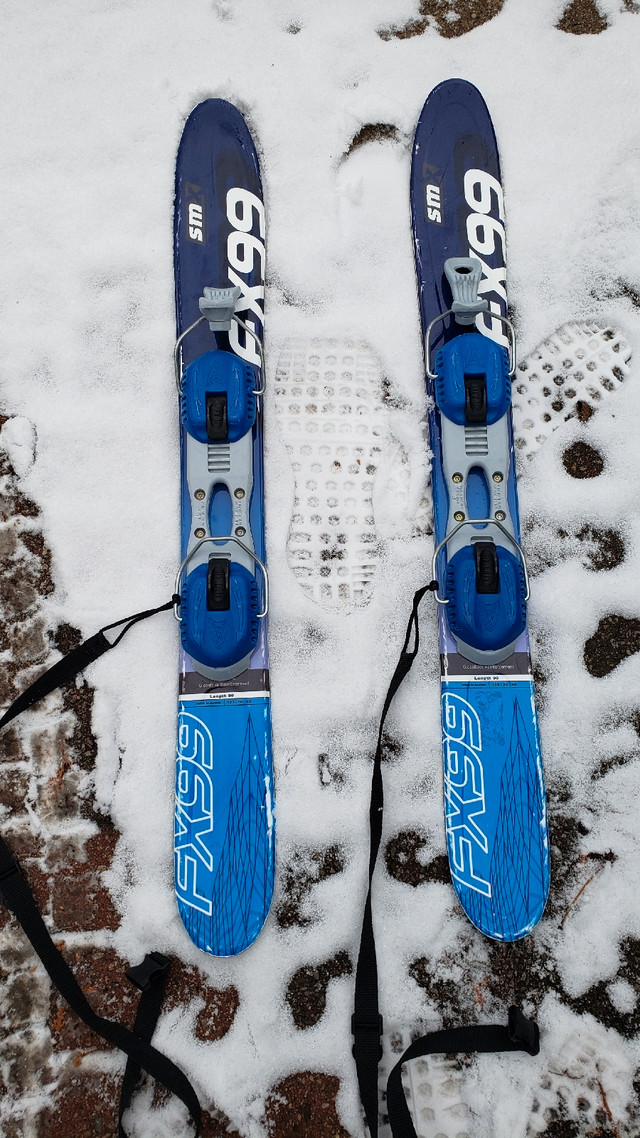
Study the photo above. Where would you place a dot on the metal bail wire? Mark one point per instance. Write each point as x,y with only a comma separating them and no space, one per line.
250,552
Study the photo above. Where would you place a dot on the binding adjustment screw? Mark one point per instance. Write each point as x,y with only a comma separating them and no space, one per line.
458,478
500,515
458,516
199,533
199,494
498,476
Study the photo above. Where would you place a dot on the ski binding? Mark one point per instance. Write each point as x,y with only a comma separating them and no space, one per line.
486,583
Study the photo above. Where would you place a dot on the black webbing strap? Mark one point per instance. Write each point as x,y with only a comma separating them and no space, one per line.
150,976
366,1022
76,661
521,1034
18,897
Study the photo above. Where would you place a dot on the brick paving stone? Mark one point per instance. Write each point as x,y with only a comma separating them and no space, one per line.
100,973
304,1104
80,900
86,1107
214,1020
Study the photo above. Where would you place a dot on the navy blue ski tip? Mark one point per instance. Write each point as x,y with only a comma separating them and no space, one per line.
495,807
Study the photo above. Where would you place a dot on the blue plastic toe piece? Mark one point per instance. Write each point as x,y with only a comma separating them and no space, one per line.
220,638
219,373
472,355
487,621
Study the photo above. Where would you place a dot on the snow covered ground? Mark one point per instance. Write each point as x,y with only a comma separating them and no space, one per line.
94,97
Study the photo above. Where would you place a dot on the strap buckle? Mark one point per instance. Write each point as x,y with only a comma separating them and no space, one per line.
365,1032
154,967
523,1031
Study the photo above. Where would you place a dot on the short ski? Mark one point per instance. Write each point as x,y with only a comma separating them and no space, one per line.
224,820
495,810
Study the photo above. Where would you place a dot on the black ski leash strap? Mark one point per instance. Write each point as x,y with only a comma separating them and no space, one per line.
150,975
521,1034
76,661
366,1022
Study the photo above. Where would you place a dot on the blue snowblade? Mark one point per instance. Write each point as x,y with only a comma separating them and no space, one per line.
224,819
495,811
